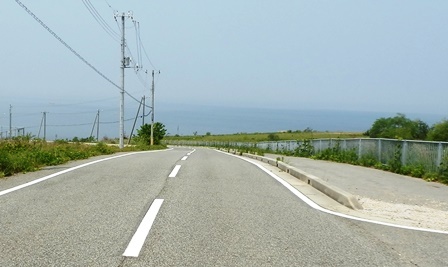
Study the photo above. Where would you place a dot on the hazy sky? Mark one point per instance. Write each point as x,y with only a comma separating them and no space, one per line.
380,56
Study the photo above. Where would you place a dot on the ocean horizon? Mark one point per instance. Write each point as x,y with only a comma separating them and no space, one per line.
186,119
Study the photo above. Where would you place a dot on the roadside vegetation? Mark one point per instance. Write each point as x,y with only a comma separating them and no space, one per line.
398,127
337,154
26,154
261,137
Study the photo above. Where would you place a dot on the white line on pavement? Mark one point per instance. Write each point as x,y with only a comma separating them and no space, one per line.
4,192
175,171
185,158
189,153
317,207
137,241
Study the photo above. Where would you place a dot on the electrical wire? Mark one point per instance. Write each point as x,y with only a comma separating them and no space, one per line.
112,122
99,19
65,44
71,49
146,54
103,20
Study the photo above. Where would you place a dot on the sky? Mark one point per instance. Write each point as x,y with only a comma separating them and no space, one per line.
348,55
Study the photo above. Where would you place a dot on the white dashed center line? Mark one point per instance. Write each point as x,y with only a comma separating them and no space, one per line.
185,158
175,171
137,241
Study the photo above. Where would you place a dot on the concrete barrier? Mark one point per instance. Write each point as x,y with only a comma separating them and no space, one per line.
334,192
283,166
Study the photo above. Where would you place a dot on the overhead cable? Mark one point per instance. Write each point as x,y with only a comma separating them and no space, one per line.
71,49
100,20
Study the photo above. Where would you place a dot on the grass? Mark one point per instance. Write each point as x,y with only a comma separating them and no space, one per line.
260,137
21,154
306,149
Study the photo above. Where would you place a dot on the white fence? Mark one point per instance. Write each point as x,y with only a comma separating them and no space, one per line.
427,154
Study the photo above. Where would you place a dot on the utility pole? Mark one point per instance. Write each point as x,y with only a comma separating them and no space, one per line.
97,123
152,110
143,116
98,126
124,64
10,121
45,126
43,122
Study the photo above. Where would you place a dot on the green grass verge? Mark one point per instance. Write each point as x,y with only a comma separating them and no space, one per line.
260,137
21,155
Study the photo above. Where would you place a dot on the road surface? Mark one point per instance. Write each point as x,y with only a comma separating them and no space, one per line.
198,207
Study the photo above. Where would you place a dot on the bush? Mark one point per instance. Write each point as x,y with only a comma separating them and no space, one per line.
336,153
25,155
398,127
439,131
443,170
273,137
305,149
144,133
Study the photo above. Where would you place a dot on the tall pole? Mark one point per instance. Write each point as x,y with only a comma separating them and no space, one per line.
143,117
152,110
45,126
98,126
123,65
10,121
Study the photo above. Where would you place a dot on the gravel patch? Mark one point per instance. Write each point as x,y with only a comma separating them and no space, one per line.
409,215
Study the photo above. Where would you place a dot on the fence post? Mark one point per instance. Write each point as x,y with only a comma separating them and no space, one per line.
404,150
379,150
360,148
439,155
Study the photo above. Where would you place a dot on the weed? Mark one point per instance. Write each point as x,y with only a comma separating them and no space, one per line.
305,149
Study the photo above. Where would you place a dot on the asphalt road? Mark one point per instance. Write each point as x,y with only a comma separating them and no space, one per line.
218,210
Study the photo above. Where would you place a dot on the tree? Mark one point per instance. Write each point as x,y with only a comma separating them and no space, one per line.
144,133
421,130
273,137
439,131
398,127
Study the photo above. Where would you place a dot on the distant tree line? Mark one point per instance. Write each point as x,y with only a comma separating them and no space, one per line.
401,127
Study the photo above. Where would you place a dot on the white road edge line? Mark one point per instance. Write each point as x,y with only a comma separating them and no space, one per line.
185,158
317,207
175,171
4,192
137,241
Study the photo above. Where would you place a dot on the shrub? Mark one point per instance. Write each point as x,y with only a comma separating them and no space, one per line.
24,155
273,137
305,149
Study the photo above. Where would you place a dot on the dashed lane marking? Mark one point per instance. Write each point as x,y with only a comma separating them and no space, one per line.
137,241
175,171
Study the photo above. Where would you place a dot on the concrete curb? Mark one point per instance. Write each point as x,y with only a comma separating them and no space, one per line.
334,192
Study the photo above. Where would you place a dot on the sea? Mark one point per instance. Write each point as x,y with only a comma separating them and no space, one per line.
190,119
187,120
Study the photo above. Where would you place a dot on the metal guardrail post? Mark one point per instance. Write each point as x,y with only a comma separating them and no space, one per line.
404,151
360,149
439,155
379,150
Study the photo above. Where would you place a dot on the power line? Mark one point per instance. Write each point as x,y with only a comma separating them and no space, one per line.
109,5
100,20
144,50
65,44
71,49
